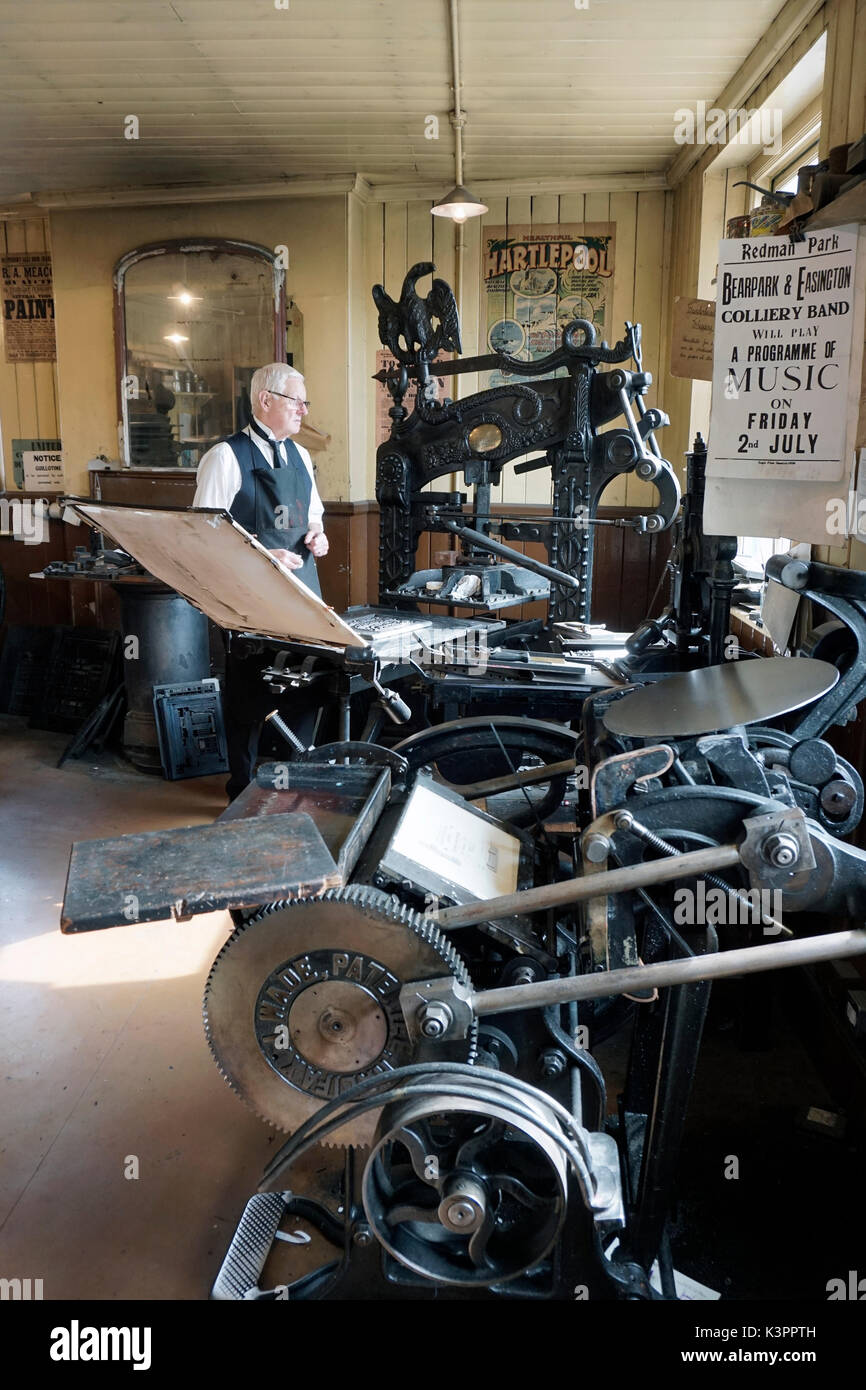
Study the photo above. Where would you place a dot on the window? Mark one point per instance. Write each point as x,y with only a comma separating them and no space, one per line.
785,181
753,552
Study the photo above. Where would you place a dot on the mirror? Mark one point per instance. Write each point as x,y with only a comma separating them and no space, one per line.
194,320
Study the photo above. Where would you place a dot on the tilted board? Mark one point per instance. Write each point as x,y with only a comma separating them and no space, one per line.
221,569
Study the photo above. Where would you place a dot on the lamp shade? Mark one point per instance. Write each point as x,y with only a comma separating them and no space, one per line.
459,205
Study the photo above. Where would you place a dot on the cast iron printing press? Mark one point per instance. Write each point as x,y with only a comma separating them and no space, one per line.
433,933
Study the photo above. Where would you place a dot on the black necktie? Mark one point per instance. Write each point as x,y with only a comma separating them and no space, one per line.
274,443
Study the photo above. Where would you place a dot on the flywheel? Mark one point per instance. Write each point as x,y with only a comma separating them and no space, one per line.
303,1002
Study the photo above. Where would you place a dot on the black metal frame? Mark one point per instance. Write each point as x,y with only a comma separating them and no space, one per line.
560,416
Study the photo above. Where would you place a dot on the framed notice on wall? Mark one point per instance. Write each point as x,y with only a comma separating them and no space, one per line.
37,464
537,280
28,307
692,338
789,326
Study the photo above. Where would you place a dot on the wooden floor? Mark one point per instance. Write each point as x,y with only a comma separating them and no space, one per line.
104,1055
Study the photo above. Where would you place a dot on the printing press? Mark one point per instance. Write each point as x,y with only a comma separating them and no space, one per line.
433,932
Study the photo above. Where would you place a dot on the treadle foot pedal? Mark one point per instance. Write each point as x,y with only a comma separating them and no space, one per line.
251,1245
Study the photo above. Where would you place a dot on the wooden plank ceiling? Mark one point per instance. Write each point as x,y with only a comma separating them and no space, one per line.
229,92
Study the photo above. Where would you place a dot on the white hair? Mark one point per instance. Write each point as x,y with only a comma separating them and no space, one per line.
271,378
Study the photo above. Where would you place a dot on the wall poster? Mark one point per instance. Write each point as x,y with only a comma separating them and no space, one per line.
43,470
537,280
28,307
37,464
692,338
789,325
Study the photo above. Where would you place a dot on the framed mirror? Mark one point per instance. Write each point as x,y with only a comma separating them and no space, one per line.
193,320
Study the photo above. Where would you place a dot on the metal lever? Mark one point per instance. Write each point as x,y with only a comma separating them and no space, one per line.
650,631
365,661
653,871
651,419
455,1006
652,521
719,964
565,581
395,708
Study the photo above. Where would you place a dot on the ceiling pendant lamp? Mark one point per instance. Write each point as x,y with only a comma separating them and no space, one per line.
459,205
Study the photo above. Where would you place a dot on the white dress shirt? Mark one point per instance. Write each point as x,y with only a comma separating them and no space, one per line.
218,480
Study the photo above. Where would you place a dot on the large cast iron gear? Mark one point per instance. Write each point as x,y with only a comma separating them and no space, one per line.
302,1002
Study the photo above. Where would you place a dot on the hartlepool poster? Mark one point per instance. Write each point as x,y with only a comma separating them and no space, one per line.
539,279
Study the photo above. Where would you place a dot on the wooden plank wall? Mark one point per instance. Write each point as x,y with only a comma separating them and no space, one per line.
28,410
48,602
28,392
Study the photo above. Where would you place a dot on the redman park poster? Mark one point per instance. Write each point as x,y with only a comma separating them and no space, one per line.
786,380
537,280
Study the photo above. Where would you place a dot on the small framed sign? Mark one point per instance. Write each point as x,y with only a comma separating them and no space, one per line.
37,464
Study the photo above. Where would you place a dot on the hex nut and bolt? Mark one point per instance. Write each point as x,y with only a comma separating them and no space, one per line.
460,1214
552,1062
623,820
596,847
463,1206
523,975
780,850
838,799
362,1235
434,1020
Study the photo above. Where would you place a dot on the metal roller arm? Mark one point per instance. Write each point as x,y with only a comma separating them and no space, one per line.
565,581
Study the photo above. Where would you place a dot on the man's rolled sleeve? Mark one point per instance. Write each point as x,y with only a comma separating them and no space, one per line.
218,480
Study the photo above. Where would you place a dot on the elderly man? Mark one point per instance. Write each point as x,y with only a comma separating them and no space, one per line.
266,482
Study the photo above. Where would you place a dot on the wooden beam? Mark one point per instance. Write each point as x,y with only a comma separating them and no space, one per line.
789,22
485,189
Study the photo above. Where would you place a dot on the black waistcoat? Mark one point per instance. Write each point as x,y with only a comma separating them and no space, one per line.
273,504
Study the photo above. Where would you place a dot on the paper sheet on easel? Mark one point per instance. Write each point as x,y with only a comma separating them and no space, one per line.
221,569
779,605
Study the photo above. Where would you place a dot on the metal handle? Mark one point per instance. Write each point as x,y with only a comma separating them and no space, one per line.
565,581
574,890
747,961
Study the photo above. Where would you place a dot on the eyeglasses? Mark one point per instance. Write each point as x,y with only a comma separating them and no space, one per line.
296,400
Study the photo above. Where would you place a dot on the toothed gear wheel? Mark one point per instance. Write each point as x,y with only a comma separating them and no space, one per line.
303,1002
